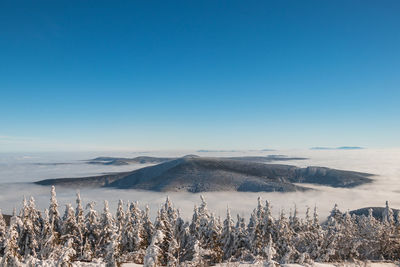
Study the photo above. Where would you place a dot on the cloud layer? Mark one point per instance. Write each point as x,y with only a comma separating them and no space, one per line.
384,163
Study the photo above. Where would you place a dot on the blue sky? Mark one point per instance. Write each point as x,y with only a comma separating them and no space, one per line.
198,74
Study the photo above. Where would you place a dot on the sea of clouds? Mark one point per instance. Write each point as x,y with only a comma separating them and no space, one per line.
18,171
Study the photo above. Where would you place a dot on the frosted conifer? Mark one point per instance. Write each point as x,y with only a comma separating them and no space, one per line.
113,251
54,215
270,253
120,215
241,244
107,229
154,252
67,255
147,227
387,215
12,257
92,229
29,229
3,229
228,236
69,228
48,242
80,223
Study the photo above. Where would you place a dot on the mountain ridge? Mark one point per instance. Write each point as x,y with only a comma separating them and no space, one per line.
155,160
203,174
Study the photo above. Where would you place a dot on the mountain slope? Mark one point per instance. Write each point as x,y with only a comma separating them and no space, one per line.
195,174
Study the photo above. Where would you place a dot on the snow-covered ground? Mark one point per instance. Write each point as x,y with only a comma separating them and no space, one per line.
349,264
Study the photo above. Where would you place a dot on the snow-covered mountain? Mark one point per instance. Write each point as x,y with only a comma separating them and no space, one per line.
204,174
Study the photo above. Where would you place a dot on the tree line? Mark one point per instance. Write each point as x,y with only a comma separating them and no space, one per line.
129,235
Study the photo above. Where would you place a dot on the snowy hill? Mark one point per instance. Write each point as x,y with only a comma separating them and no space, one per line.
376,212
202,174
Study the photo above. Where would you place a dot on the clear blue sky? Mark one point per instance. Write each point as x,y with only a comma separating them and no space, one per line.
199,74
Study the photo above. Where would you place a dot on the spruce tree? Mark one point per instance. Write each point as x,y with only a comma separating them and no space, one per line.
332,232
165,223
120,215
386,235
134,235
80,223
228,236
12,257
29,229
3,229
198,256
67,255
113,251
270,253
241,246
92,230
212,241
49,241
107,230
148,228
154,252
256,229
70,229
284,240
54,215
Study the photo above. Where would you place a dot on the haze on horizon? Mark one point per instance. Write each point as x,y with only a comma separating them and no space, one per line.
140,75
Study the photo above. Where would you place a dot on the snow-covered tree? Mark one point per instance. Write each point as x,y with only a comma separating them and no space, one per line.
368,231
29,229
87,251
54,215
49,240
268,223
295,222
67,255
348,242
120,215
198,256
69,227
3,229
332,232
270,253
134,236
92,230
107,230
203,220
256,229
173,253
113,251
212,243
32,240
165,222
228,236
12,256
241,246
154,252
80,223
148,228
388,244
387,215
308,241
284,240
184,239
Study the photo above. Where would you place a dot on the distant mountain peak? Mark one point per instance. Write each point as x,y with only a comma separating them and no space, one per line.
338,148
